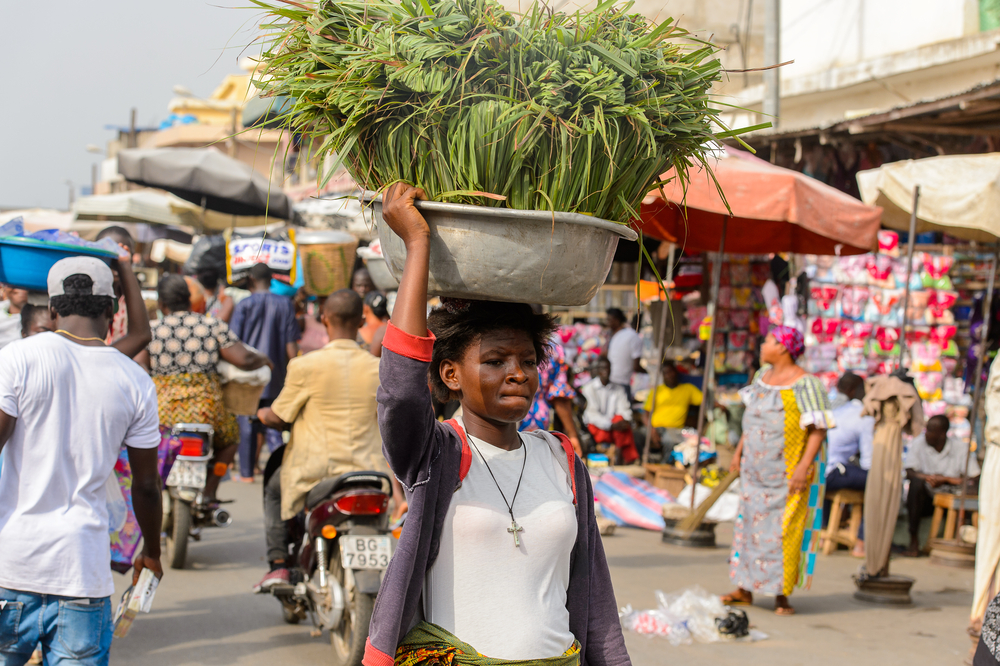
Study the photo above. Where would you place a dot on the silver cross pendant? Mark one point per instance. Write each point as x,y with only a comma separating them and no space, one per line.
514,529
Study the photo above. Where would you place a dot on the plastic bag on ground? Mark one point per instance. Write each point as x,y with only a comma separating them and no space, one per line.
656,623
683,617
698,608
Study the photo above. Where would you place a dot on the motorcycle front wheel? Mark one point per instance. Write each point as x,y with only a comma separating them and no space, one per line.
177,536
348,640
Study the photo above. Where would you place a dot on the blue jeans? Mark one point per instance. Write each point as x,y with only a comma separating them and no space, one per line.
845,477
71,631
249,429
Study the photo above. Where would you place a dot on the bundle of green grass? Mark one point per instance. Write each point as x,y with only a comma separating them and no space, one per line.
543,110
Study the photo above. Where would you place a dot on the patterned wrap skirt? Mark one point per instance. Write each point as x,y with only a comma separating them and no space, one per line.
430,645
196,397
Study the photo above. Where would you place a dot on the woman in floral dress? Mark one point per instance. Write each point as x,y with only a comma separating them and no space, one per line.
555,396
781,464
182,356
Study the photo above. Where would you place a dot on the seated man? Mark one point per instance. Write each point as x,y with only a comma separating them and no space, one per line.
850,440
934,464
609,412
668,416
329,400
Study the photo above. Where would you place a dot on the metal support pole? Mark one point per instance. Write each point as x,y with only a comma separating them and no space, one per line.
708,372
909,272
772,56
977,394
660,351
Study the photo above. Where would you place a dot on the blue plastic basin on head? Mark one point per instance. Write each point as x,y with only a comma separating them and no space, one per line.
25,262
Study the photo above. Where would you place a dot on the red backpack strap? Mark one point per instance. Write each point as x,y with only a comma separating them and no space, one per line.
466,463
570,456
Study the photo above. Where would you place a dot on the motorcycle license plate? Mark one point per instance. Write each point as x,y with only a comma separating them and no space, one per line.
365,552
188,474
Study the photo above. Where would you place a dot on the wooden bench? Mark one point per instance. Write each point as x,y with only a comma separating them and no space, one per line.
833,535
951,503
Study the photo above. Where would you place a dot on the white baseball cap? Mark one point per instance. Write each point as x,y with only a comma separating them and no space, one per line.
94,268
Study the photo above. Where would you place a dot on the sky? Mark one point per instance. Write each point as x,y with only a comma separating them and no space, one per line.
71,68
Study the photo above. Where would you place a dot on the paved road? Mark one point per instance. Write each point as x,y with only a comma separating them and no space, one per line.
207,615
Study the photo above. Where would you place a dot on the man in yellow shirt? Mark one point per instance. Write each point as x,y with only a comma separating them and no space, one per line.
673,399
328,399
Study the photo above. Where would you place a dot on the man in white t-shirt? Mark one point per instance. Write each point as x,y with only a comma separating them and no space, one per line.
67,404
934,463
624,350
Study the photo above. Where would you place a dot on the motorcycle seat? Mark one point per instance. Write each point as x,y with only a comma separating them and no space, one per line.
327,487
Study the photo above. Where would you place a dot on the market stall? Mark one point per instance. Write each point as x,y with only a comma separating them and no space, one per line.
744,209
955,196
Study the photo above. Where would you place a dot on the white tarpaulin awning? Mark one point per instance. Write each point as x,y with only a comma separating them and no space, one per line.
152,206
959,194
135,206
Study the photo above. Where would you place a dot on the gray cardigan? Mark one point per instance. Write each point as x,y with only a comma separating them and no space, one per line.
426,457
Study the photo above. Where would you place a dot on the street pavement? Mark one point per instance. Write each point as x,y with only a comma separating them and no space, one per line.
206,613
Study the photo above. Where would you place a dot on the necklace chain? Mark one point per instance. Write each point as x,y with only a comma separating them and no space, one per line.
510,505
77,337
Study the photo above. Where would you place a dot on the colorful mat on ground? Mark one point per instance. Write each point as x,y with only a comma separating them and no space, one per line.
630,501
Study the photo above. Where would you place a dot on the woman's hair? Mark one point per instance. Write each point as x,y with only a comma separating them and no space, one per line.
378,304
209,278
30,313
174,293
82,304
460,323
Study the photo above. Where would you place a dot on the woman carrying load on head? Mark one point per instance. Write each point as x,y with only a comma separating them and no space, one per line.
500,554
781,464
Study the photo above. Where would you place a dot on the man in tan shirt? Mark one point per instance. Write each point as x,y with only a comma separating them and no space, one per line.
328,399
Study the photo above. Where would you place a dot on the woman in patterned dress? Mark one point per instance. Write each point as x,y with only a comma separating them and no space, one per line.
184,351
555,396
781,464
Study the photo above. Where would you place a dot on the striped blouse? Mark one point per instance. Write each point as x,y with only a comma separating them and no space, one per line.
812,399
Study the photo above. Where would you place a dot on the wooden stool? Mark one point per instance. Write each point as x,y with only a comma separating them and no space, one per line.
833,535
943,501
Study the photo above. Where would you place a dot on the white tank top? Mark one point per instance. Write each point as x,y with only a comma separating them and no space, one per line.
507,602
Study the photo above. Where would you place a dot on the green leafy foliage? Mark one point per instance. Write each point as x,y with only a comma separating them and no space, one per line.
569,112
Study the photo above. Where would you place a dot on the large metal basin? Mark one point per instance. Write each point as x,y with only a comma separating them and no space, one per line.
499,254
378,269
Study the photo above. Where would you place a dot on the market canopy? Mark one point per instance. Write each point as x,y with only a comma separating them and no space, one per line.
771,209
144,206
206,178
959,194
155,207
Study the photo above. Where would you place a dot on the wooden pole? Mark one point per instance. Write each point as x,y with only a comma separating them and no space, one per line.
977,394
661,349
708,372
909,272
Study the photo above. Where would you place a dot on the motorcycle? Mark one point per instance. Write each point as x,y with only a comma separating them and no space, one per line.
186,512
341,546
